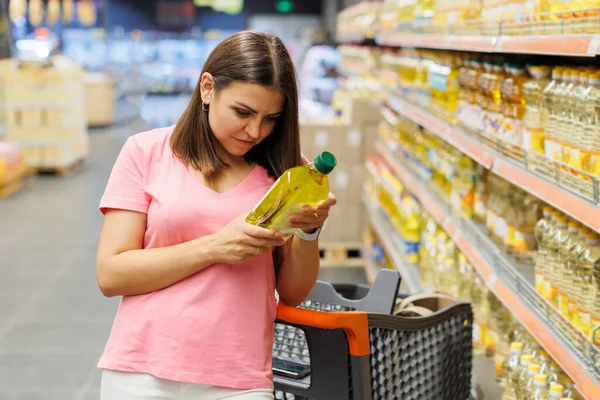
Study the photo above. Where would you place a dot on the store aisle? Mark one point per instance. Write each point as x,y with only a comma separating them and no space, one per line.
53,319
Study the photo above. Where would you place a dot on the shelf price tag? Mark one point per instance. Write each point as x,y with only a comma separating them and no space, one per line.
593,46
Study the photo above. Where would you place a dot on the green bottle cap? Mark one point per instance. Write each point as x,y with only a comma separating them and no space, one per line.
325,162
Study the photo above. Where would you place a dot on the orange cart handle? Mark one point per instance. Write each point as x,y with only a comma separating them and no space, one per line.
354,323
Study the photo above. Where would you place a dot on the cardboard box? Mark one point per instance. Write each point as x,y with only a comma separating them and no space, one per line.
371,134
344,141
353,222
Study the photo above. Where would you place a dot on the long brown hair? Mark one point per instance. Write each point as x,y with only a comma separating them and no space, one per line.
253,57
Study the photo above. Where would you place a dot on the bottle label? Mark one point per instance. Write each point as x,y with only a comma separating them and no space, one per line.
585,321
533,140
554,294
594,323
539,282
547,288
479,206
549,148
574,160
511,131
572,309
499,360
563,304
509,238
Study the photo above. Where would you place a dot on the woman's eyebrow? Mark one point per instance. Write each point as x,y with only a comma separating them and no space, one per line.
254,111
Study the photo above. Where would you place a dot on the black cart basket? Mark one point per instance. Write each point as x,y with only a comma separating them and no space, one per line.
346,344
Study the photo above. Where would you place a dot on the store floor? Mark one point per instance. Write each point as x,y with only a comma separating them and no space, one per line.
54,321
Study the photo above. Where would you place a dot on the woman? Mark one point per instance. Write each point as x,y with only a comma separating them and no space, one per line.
198,283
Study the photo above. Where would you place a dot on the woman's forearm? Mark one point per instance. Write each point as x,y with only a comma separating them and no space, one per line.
299,271
142,271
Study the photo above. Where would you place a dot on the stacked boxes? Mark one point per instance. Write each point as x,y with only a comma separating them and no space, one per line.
350,136
44,110
12,168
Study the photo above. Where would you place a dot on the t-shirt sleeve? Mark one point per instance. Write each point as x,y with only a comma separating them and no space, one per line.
125,187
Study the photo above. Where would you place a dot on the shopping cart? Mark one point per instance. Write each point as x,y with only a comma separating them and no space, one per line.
350,346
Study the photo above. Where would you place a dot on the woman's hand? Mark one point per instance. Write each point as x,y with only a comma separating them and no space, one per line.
240,241
312,218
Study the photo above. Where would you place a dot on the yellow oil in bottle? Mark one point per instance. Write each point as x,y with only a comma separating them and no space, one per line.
552,93
595,319
481,314
541,228
526,380
299,186
483,97
540,388
521,374
565,274
509,370
513,104
523,238
556,375
504,323
590,140
571,77
463,185
574,103
543,360
570,277
554,265
534,118
480,196
493,120
549,234
585,283
514,199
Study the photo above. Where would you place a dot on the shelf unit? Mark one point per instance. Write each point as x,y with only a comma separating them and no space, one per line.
583,45
562,198
507,281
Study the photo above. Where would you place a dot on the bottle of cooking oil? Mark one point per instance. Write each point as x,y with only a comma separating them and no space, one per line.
595,320
299,186
534,118
467,273
556,375
556,392
577,121
481,314
540,391
551,94
504,322
547,269
523,240
463,186
585,282
509,370
571,78
571,270
555,267
522,374
541,228
480,196
514,199
565,274
526,381
464,92
449,276
590,143
513,103
570,390
475,119
494,103
543,359
494,324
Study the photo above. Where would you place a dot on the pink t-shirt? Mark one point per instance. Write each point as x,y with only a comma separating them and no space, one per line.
215,327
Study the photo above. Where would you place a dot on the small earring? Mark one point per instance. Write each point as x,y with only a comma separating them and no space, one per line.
204,104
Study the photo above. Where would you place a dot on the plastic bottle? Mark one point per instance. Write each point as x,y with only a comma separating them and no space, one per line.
577,112
556,375
509,370
299,186
541,229
555,392
513,102
540,388
528,370
585,283
523,240
565,274
534,118
574,265
494,106
555,267
547,268
552,93
590,142
571,77
543,359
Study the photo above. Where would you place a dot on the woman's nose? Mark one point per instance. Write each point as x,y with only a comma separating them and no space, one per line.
253,129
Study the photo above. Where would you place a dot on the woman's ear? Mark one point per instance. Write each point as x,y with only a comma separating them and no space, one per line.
207,85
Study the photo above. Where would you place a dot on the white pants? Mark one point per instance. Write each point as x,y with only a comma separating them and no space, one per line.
118,385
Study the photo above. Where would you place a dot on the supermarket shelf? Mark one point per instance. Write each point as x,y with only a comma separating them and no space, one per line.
508,281
585,45
559,197
411,273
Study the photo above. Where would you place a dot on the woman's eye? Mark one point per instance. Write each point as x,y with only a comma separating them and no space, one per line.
242,113
272,119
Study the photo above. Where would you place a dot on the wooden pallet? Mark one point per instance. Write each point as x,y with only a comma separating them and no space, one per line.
60,171
341,254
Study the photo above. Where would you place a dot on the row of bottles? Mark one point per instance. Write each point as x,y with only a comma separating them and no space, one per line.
523,368
567,268
552,111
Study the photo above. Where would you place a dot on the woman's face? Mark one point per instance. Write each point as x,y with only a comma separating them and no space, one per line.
243,114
